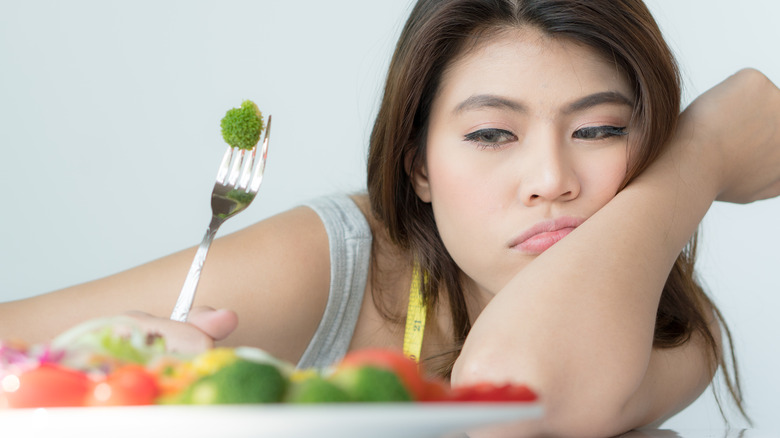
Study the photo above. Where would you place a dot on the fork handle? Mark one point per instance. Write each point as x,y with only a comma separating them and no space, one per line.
187,294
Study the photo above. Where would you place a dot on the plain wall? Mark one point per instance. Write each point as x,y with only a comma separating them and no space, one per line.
109,137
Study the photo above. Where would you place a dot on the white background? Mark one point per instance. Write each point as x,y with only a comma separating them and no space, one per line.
109,137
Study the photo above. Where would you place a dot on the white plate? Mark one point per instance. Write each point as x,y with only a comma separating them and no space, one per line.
368,420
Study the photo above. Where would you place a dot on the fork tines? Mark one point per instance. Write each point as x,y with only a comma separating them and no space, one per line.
236,168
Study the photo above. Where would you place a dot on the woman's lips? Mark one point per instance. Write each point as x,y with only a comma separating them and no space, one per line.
543,235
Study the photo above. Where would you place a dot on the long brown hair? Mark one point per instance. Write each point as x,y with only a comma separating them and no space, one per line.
438,32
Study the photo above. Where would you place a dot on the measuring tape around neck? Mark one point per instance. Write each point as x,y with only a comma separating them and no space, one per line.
415,317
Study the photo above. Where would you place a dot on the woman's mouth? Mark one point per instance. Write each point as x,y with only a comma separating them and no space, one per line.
543,235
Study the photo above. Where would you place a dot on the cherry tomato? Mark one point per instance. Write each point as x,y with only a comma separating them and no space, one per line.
406,369
490,392
49,385
126,386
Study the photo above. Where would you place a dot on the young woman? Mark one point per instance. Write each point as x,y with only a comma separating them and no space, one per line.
528,170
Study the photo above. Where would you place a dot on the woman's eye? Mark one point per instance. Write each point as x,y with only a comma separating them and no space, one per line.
599,132
490,138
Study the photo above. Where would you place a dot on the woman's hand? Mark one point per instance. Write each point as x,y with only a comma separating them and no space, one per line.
204,326
736,124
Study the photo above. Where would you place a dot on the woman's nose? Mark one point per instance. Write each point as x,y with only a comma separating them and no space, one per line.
549,177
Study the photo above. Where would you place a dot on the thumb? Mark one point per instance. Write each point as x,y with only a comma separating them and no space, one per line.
218,324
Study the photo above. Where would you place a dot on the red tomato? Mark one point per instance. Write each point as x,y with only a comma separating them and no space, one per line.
490,392
127,385
406,369
49,385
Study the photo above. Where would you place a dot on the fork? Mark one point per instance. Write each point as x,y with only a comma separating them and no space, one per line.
238,181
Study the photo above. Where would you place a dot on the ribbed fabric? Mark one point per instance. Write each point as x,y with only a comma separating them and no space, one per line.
349,237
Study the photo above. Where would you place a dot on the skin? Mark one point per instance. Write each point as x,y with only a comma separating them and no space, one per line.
595,301
271,305
539,167
581,336
531,153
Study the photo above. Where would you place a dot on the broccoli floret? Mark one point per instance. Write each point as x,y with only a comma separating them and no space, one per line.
241,127
316,389
242,381
369,384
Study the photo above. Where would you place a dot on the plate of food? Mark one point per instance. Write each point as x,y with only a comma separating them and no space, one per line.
109,378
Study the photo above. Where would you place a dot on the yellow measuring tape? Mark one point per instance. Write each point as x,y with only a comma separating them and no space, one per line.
415,317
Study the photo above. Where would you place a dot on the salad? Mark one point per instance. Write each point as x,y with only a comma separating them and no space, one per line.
109,364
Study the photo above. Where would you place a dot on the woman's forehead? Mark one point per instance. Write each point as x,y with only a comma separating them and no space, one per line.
526,61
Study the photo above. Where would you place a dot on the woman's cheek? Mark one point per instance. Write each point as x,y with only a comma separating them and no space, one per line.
468,208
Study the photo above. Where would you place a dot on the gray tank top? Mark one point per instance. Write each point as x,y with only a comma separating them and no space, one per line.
349,237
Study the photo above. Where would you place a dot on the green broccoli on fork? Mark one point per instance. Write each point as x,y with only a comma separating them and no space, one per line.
241,127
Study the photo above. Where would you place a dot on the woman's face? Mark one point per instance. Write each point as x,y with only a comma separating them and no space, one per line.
526,140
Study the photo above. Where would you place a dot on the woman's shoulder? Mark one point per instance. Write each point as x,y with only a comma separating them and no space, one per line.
377,227
355,209
343,215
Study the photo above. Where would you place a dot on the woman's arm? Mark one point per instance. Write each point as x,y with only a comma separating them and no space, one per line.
275,275
577,323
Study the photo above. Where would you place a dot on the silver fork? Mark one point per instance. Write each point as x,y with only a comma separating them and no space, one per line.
238,181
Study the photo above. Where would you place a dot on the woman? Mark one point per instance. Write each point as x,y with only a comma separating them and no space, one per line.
505,127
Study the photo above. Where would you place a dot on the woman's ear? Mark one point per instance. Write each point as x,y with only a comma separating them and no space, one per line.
418,174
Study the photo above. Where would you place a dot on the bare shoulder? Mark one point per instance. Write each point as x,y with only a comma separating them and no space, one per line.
363,203
378,228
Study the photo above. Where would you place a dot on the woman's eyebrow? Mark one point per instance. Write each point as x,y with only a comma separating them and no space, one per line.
595,99
489,101
493,101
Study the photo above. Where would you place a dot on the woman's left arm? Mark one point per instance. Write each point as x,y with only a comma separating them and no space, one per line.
577,323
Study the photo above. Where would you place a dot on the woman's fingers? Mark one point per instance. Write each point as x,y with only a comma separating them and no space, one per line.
218,324
206,326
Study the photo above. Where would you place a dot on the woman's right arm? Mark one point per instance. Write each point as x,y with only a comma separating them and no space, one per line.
274,275
577,323
741,141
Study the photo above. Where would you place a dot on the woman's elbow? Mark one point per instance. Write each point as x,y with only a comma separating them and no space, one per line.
574,405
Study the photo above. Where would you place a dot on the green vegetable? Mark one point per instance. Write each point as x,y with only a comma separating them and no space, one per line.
108,339
128,349
241,127
316,389
242,381
369,384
